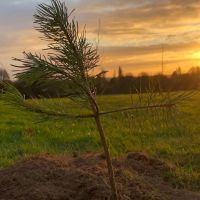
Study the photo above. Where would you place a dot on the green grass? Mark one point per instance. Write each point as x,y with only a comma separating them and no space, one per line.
177,142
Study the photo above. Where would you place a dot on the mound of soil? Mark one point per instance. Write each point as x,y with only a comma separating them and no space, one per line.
45,177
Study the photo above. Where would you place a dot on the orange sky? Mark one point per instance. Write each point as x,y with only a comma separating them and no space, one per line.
132,32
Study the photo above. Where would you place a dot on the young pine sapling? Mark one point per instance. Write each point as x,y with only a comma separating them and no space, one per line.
70,57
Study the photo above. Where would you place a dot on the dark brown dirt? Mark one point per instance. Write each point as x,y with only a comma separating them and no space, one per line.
84,178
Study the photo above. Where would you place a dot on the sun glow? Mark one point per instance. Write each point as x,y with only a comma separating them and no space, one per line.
196,55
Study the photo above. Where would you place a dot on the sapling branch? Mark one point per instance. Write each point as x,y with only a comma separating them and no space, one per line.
57,114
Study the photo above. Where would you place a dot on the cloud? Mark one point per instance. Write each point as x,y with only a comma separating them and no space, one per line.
127,51
130,30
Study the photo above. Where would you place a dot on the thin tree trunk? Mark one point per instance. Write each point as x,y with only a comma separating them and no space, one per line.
108,157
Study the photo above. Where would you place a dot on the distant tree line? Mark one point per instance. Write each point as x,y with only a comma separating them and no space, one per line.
123,84
118,84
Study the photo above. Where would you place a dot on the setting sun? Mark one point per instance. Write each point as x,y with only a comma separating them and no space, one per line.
196,55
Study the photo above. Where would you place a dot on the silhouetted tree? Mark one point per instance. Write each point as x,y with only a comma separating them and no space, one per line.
4,76
120,72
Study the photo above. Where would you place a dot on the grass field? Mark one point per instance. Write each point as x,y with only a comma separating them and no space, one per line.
176,142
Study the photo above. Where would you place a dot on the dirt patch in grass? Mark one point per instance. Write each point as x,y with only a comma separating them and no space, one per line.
138,177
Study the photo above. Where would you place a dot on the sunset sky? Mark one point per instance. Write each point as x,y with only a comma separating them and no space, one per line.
132,32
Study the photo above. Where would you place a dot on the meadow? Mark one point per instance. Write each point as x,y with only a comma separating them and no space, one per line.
175,140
